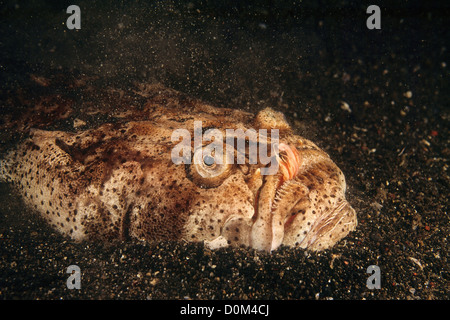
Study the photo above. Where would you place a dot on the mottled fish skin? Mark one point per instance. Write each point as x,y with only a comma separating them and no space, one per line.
118,181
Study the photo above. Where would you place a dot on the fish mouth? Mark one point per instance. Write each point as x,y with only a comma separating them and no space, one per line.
275,199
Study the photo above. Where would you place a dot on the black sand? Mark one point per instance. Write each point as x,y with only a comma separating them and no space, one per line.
376,100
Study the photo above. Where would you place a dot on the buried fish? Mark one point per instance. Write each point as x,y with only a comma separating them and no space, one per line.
119,180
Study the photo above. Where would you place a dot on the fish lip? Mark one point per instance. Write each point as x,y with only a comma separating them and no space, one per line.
264,218
289,166
329,218
289,161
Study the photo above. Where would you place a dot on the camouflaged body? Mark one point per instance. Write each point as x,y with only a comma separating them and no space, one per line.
117,180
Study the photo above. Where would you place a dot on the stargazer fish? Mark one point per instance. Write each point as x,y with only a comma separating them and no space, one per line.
118,180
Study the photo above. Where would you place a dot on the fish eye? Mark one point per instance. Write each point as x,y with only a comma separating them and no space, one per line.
208,160
207,170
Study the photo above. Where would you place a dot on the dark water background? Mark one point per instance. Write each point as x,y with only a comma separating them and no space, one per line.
303,58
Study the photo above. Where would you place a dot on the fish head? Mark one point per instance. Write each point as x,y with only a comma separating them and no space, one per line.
296,199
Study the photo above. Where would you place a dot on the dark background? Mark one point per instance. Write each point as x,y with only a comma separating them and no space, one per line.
303,58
